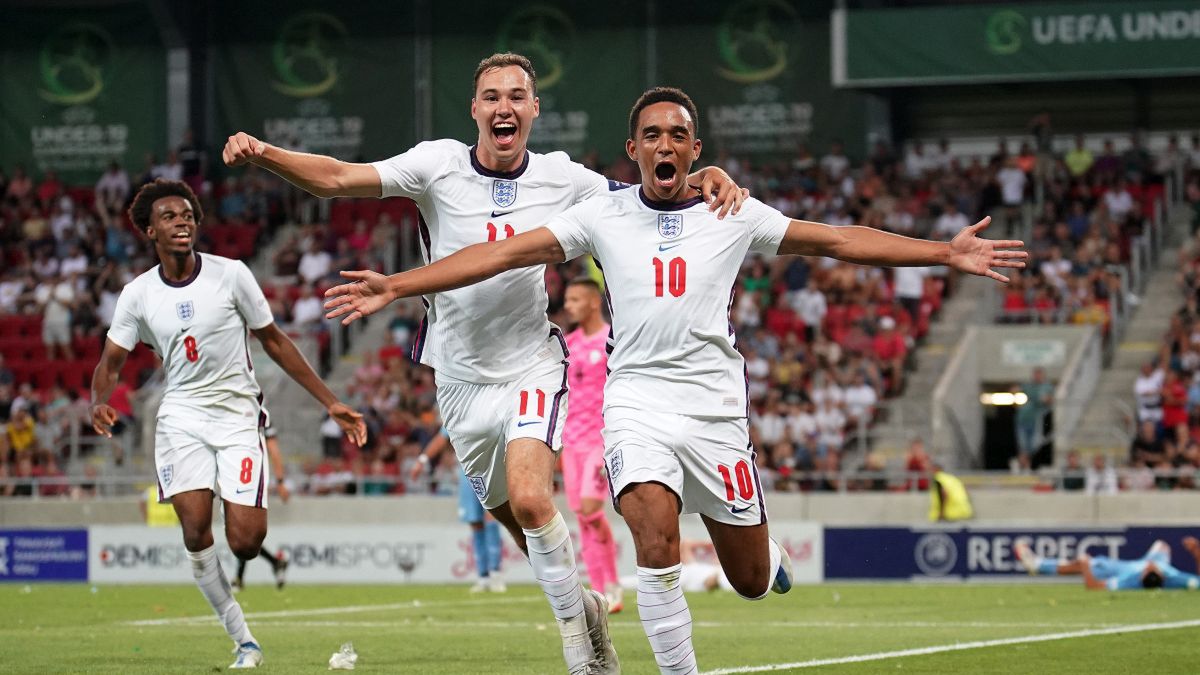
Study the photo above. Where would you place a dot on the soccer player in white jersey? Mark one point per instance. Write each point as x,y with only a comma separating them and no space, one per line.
500,364
676,435
194,310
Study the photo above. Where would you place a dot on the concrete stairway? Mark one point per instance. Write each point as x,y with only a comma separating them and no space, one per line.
1107,424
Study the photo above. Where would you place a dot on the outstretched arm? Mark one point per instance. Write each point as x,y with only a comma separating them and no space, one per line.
431,452
104,380
368,292
322,176
867,246
283,351
1089,579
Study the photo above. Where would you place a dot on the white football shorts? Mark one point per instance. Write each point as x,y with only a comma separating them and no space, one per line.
229,459
707,462
482,419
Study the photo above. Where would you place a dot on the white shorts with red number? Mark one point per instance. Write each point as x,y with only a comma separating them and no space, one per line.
482,419
707,462
229,459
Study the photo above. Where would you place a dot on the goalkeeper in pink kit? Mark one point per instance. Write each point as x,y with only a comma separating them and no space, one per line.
584,475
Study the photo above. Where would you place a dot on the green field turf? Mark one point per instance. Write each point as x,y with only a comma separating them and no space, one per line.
424,629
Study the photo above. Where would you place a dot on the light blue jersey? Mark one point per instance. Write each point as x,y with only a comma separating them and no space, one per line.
1130,576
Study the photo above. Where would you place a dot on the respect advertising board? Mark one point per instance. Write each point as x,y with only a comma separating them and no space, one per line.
977,553
44,555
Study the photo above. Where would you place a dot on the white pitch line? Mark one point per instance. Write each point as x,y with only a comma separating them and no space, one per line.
322,611
962,646
407,622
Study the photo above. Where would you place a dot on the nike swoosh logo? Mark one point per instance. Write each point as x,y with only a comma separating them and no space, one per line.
497,214
664,247
240,491
525,424
184,329
734,509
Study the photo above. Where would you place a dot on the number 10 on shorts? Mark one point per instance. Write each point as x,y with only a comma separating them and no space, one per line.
745,482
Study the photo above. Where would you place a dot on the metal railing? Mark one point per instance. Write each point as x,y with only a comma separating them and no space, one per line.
446,483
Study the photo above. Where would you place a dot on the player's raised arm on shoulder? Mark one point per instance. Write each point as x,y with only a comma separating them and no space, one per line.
368,292
104,380
967,252
719,190
283,351
321,175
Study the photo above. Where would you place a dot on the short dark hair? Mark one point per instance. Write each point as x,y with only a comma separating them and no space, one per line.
1152,579
663,95
586,282
500,61
143,202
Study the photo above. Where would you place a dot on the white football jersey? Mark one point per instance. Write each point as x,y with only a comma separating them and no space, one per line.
670,270
488,331
199,329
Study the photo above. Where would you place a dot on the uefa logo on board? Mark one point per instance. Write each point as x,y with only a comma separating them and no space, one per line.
935,554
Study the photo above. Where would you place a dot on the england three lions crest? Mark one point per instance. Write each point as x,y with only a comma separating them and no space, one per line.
185,310
670,225
504,192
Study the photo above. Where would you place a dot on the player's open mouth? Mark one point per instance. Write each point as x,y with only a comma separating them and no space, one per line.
664,175
505,133
181,237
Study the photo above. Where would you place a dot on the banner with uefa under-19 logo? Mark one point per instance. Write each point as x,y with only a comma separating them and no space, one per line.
333,79
81,87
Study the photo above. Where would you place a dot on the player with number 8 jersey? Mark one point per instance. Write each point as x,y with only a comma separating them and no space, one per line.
195,311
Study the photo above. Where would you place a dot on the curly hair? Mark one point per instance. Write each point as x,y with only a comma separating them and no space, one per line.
142,207
660,95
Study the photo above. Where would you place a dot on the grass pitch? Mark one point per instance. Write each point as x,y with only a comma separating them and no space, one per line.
445,629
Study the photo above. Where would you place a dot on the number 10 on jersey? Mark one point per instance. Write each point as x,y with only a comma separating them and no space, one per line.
673,273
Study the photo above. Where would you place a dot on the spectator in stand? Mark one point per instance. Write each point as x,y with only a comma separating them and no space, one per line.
1031,417
112,191
170,169
6,374
917,461
20,186
809,304
1175,417
835,164
287,258
192,160
309,310
21,432
315,264
1079,160
56,299
1074,478
49,190
1107,166
1147,390
1118,200
1101,479
950,223
891,350
1013,182
860,402
1148,447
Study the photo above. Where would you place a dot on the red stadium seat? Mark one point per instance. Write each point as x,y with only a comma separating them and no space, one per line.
367,209
341,212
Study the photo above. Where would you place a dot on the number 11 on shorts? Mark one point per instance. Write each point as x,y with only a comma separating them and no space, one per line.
745,483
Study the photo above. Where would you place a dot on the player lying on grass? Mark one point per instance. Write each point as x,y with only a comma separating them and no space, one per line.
500,363
1153,570
194,310
675,415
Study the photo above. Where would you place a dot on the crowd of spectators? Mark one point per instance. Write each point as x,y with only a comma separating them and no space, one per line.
66,251
825,342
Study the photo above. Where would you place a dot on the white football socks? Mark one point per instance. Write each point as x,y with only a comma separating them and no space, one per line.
553,560
666,619
210,577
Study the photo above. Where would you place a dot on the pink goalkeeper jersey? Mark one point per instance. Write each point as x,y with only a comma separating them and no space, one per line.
586,374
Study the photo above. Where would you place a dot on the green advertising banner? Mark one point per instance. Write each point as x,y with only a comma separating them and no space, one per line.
999,43
330,79
589,57
81,88
758,71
